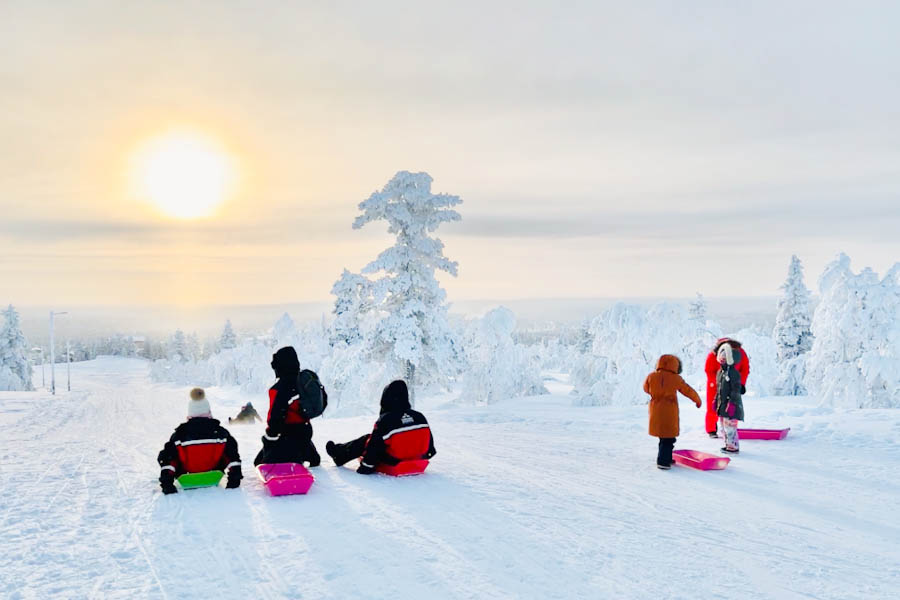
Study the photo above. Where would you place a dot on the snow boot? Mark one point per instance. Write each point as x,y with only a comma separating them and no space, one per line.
331,448
714,435
664,467
730,450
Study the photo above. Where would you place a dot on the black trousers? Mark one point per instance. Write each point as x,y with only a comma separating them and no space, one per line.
344,453
664,456
293,445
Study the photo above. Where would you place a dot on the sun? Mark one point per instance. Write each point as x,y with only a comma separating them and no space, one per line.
186,175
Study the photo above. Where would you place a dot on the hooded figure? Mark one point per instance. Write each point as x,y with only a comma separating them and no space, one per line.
741,363
199,444
663,385
399,434
288,436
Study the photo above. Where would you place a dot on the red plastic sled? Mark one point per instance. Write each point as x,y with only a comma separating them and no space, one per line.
283,479
763,434
404,468
700,460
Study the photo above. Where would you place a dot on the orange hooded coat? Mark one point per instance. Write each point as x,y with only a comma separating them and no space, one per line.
663,387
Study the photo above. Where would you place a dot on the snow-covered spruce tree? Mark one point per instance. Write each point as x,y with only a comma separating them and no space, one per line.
793,333
497,367
698,310
352,299
284,332
177,347
856,346
15,368
227,340
412,335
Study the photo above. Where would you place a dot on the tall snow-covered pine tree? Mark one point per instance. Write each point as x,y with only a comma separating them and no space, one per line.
412,333
793,332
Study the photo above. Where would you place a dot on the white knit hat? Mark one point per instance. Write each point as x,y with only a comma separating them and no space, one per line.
198,405
725,355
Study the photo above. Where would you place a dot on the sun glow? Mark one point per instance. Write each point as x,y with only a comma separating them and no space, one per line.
185,175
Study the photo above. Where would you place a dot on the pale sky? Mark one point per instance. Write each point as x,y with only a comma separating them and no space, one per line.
600,148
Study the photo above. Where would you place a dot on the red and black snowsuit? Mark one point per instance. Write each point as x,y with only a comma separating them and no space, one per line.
200,444
400,433
288,436
741,363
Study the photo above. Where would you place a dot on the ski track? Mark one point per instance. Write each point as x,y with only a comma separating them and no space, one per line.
530,498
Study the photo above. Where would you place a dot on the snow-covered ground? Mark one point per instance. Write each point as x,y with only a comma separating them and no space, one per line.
528,498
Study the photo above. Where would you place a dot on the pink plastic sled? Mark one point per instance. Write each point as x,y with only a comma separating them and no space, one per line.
700,460
403,468
283,479
763,434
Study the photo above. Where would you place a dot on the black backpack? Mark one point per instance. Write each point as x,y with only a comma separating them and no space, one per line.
312,399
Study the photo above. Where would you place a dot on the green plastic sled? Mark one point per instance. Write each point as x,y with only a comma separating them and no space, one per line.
190,481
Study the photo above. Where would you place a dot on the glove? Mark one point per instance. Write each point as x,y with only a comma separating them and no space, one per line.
167,481
698,404
234,477
743,390
364,470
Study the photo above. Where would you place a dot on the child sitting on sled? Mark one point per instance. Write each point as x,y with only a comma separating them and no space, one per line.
199,444
663,386
399,434
729,403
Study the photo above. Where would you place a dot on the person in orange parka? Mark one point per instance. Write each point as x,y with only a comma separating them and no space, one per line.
663,386
741,363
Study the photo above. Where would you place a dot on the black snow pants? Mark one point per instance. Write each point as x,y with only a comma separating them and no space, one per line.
664,456
344,453
293,445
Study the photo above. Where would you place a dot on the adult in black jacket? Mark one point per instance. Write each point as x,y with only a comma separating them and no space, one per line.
288,436
399,434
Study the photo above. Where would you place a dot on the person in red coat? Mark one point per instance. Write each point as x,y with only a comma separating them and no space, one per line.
742,364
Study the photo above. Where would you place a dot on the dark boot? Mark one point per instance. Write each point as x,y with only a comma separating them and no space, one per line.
344,453
664,456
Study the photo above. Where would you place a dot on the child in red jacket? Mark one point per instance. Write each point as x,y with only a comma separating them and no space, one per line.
199,444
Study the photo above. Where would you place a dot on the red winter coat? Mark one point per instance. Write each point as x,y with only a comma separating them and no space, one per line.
741,363
199,444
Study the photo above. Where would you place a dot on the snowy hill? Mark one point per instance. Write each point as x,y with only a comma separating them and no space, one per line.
527,498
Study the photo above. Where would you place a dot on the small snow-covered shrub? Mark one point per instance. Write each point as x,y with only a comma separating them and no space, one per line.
627,342
498,368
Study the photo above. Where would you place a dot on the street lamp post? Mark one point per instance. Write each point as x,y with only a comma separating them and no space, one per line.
68,368
53,353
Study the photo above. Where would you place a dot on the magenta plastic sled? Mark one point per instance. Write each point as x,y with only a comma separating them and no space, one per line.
763,434
404,468
283,479
700,460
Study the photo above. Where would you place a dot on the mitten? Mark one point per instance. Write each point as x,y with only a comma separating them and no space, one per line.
364,470
270,435
234,477
167,481
730,409
743,390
